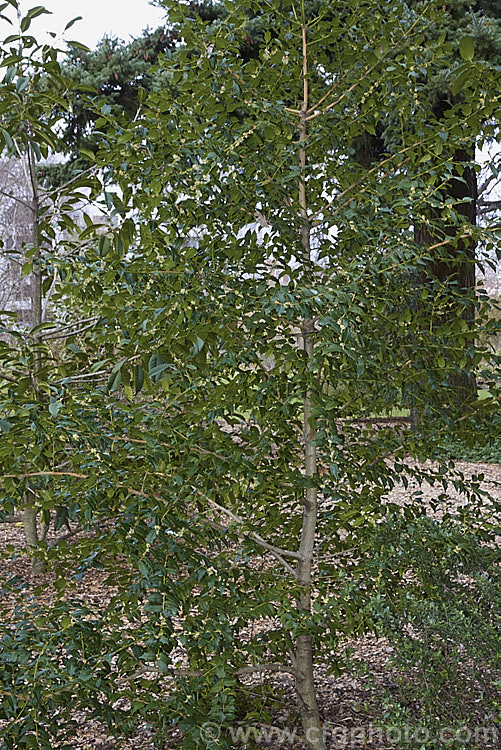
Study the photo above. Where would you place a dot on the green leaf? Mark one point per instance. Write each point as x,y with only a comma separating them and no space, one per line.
8,139
11,60
54,407
127,234
464,73
38,10
62,518
197,346
138,378
29,740
78,45
5,426
65,622
104,246
114,381
467,48
70,23
88,154
22,83
12,3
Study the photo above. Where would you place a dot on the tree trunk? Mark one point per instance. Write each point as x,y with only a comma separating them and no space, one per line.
30,512
305,685
464,384
31,535
454,267
450,268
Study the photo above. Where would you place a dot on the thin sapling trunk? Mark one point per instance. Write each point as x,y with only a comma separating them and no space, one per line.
305,685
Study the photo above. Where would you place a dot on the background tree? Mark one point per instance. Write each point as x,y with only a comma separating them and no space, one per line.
15,222
32,93
467,30
116,74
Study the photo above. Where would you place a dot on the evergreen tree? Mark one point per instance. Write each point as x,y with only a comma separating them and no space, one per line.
242,518
114,77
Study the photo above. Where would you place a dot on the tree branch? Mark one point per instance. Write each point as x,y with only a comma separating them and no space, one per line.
29,474
70,333
486,206
84,376
74,323
181,672
15,198
277,552
62,188
256,537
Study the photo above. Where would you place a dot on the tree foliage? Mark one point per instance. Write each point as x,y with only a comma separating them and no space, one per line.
115,77
255,298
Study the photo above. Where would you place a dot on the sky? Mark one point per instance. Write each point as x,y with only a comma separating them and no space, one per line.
120,18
